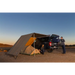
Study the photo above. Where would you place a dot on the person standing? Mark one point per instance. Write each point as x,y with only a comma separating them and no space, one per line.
63,45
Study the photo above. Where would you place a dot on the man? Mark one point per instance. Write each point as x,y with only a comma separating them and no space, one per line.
63,45
42,49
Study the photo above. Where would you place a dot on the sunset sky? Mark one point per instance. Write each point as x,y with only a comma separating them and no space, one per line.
13,25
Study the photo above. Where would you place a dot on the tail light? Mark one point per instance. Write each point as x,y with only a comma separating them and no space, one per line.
50,43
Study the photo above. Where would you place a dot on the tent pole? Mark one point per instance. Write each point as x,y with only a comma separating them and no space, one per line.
34,45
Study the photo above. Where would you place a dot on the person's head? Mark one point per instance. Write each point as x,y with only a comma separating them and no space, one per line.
61,37
42,45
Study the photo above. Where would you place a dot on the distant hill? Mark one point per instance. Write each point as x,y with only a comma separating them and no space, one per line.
5,45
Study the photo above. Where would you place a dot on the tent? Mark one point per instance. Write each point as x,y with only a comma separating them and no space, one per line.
23,42
30,50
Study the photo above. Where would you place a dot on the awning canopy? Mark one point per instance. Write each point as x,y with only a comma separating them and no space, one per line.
22,42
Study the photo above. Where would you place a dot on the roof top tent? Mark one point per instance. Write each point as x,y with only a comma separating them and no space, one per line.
22,43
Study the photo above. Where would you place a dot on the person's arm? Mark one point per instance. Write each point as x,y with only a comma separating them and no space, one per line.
64,40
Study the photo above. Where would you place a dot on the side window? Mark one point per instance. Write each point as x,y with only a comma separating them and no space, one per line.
46,39
43,39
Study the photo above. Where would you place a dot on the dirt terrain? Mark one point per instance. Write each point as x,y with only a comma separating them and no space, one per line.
55,56
5,47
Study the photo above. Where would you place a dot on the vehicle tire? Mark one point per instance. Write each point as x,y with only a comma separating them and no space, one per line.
50,50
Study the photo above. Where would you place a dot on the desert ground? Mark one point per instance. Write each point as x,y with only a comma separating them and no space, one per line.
55,56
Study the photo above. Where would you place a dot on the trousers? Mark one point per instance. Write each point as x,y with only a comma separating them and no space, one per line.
42,51
63,47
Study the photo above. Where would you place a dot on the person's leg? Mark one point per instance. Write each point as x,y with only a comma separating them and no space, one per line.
63,48
43,51
64,51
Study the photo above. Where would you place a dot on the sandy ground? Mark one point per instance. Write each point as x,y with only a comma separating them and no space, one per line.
55,56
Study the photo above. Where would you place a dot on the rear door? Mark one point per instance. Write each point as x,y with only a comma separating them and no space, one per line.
55,40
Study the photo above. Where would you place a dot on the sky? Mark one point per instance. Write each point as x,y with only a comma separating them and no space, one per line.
13,25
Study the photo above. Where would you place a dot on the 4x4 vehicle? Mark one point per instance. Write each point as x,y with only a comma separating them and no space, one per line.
50,42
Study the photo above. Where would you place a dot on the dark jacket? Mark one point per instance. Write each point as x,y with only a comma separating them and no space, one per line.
62,41
42,48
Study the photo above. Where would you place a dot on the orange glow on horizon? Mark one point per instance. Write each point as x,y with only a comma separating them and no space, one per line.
7,43
12,43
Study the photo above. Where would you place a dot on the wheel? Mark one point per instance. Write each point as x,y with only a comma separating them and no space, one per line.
50,50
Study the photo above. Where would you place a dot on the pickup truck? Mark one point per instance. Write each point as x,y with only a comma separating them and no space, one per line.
50,42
